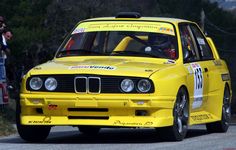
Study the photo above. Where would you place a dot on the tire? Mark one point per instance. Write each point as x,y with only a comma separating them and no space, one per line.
222,125
30,133
89,130
178,131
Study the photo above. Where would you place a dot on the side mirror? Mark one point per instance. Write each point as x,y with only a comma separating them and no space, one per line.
186,54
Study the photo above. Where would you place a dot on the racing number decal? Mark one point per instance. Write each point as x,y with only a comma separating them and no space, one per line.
198,77
198,85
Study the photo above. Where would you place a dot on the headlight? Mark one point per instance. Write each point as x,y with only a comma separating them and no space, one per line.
36,83
127,85
50,84
144,85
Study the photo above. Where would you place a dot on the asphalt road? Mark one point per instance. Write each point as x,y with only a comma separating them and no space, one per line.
69,138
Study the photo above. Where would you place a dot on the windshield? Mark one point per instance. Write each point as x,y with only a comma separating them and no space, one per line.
139,41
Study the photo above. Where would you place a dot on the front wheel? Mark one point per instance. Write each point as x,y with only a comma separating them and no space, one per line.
223,124
33,133
30,133
178,131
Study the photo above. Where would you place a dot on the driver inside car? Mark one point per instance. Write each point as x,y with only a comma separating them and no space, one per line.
161,45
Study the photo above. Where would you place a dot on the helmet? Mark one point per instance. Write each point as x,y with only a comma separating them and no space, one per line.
157,39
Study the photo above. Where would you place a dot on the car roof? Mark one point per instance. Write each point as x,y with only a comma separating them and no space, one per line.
162,19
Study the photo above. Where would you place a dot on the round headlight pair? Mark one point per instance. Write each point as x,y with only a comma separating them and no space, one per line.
144,85
36,83
127,85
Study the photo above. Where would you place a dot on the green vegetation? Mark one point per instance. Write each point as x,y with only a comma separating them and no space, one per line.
5,127
7,119
40,26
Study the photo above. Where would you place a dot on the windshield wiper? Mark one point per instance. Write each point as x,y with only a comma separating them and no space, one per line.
132,53
77,52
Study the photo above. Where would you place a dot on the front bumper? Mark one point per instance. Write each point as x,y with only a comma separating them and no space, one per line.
98,110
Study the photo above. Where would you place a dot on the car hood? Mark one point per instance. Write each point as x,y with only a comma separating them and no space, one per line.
132,66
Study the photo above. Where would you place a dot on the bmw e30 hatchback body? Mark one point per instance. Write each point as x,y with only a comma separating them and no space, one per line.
128,71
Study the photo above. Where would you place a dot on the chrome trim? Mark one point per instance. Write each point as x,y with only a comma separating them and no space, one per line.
87,84
80,77
99,79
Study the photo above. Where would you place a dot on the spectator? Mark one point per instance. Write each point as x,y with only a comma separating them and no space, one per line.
2,24
6,36
5,52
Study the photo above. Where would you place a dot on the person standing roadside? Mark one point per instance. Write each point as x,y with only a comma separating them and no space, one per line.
5,53
6,36
2,24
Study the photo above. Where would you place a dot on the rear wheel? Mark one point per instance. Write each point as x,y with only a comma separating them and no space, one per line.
30,133
223,124
178,131
89,130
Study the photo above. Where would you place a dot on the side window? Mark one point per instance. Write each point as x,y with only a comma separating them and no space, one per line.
188,45
203,46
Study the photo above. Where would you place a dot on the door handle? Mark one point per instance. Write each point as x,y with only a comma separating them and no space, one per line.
205,69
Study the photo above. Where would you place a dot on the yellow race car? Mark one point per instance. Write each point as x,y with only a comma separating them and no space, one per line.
128,71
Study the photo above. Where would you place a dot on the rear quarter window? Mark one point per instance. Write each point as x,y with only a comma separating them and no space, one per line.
204,48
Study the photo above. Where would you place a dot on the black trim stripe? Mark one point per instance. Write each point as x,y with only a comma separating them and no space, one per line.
109,84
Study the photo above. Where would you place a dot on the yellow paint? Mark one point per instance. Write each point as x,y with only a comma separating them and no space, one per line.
167,77
125,42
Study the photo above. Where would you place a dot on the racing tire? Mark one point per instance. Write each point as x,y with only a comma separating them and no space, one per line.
89,130
222,125
178,130
30,133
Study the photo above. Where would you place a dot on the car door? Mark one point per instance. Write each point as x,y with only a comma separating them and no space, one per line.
209,64
197,77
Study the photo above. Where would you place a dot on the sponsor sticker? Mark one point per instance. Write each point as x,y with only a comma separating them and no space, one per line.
202,117
201,41
217,62
225,77
78,30
156,27
121,123
189,70
166,30
46,120
93,67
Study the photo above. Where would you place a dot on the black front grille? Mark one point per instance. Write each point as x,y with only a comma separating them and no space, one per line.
94,84
80,84
87,83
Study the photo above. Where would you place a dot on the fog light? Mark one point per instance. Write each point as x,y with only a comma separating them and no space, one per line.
141,113
39,110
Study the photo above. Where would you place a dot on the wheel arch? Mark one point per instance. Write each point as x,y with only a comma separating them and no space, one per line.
186,89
